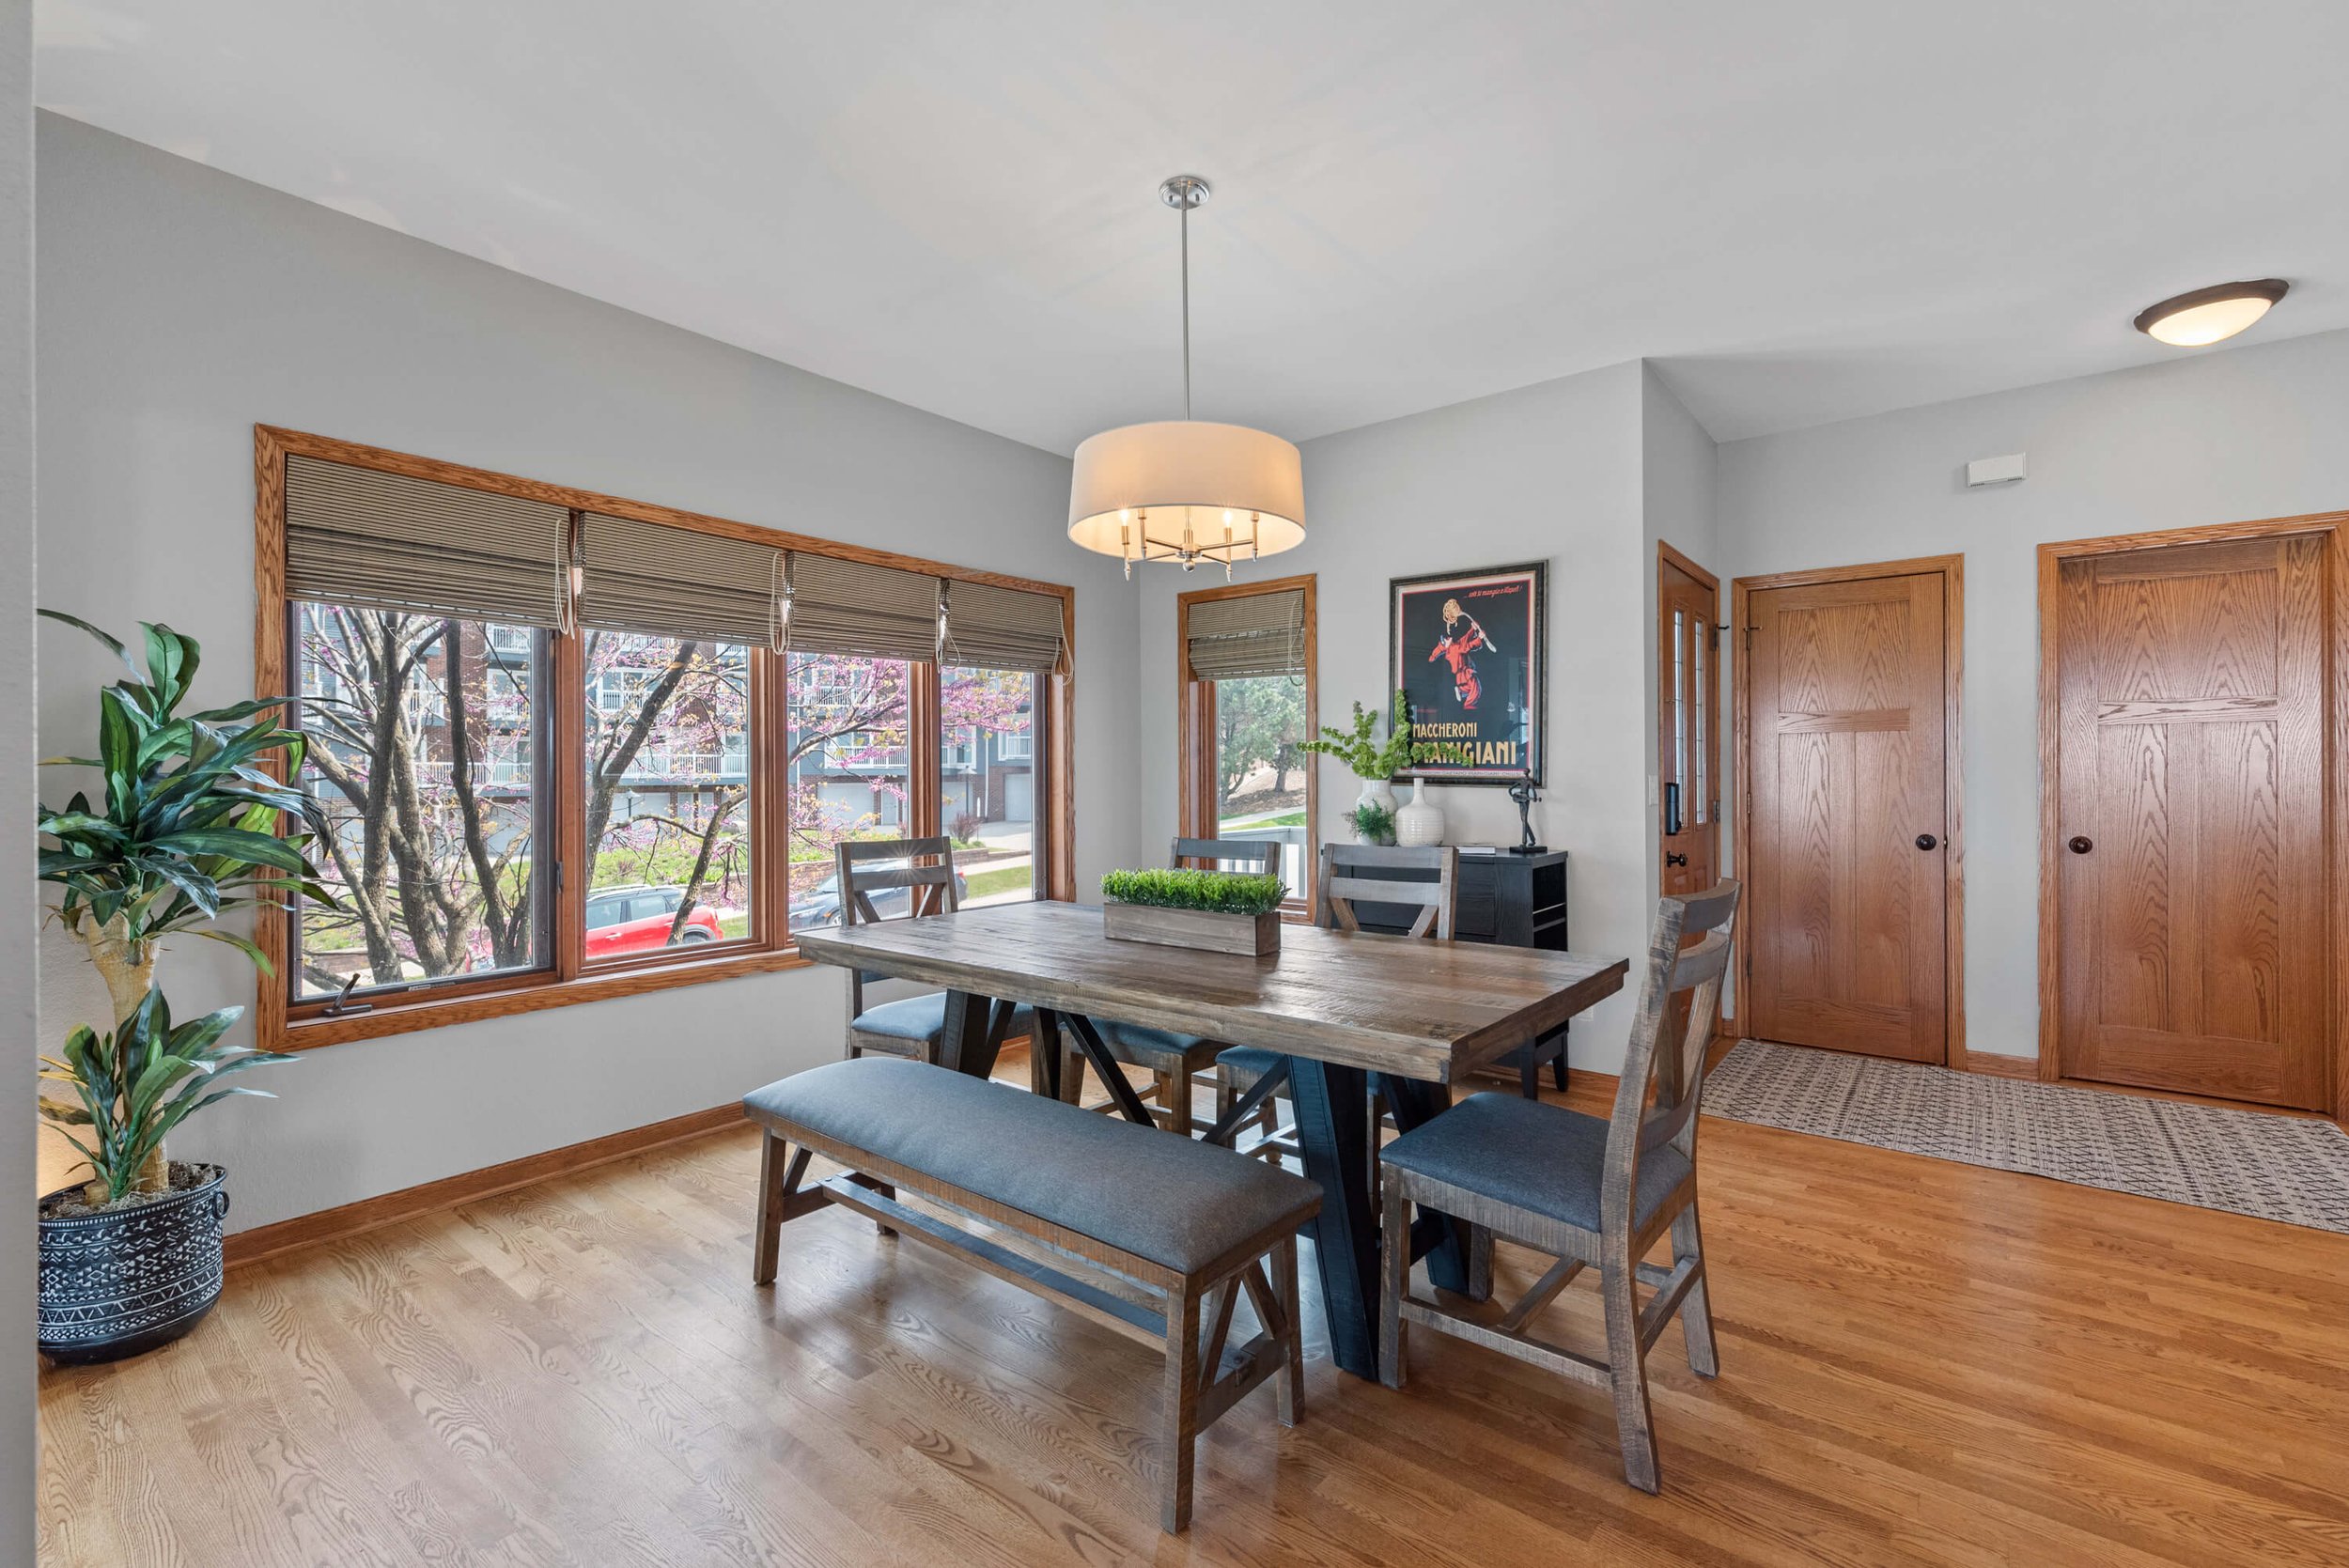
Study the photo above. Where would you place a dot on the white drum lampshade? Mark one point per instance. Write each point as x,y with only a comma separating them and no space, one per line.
1187,491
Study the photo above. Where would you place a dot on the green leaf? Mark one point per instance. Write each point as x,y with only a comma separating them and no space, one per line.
237,844
120,652
171,662
242,944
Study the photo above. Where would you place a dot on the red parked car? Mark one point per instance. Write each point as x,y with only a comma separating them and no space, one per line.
637,920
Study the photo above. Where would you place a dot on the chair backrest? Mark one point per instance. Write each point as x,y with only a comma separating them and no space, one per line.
1674,1065
1259,855
1353,874
925,867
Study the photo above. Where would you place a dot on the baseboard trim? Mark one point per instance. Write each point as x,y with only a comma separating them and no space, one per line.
1994,1065
391,1208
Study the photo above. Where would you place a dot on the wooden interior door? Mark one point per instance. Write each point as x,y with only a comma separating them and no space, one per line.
2191,805
1688,764
1846,703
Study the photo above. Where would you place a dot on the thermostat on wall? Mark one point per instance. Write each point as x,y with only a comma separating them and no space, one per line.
1995,471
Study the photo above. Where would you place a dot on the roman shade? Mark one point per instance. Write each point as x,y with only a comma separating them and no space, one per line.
656,581
391,541
1003,628
858,610
1247,635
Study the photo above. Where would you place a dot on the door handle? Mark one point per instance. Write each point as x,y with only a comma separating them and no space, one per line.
1926,840
1675,859
1671,811
2081,844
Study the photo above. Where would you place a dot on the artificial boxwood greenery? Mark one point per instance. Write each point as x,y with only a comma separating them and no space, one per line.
1223,893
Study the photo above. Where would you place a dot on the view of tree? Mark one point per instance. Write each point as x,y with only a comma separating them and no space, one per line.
425,761
1259,723
424,730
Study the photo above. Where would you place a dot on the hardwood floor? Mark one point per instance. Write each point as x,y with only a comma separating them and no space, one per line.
1921,1363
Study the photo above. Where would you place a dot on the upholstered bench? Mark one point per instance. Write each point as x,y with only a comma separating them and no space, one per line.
1147,1233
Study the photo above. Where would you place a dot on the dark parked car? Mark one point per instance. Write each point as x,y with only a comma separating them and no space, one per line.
820,904
637,920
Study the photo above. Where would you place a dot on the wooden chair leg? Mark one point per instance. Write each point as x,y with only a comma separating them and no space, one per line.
1635,1423
1072,1074
1395,1275
1558,1063
1289,1388
1696,1308
1177,1422
1174,1096
774,1185
1530,1072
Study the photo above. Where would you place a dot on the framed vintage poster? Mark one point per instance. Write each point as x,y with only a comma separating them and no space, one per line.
1469,653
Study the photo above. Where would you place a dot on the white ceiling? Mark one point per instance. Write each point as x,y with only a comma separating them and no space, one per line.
1804,210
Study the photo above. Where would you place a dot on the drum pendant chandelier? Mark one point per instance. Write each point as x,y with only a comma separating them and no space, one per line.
1184,489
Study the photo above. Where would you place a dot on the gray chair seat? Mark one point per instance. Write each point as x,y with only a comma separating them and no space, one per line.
1146,1041
1253,1061
1176,1202
1531,1156
924,1018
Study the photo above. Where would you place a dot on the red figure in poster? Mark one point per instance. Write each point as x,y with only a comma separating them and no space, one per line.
1455,648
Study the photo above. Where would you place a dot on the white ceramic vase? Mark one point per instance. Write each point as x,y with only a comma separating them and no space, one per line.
1374,793
1419,822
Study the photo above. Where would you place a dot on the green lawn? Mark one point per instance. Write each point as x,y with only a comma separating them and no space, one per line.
1009,878
1286,819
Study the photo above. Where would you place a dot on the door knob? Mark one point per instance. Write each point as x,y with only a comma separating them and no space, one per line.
2081,844
1675,859
1926,840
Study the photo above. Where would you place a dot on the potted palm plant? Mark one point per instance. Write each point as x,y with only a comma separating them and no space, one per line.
184,830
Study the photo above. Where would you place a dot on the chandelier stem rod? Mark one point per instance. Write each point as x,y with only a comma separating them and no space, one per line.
1186,215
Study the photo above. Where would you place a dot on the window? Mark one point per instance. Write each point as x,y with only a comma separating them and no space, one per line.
433,812
668,789
1247,703
848,768
563,752
986,780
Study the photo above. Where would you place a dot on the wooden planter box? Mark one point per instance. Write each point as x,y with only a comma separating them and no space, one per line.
1251,936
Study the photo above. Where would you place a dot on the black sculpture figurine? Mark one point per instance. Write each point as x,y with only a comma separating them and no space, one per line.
1524,794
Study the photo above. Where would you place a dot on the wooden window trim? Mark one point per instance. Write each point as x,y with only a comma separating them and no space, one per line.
1194,709
569,978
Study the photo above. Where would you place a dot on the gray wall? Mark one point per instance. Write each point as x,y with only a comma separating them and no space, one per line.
183,306
16,769
1549,472
2216,437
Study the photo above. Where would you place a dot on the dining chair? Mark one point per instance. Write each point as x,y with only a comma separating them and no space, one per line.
1351,875
923,870
1173,1059
1583,1190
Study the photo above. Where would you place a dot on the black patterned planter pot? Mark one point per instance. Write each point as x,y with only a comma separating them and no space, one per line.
118,1284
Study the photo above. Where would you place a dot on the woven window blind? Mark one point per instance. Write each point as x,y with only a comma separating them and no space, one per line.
1003,628
388,541
858,611
656,581
1255,634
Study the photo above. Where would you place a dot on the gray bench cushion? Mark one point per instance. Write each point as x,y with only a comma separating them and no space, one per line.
1542,1157
924,1018
1177,1202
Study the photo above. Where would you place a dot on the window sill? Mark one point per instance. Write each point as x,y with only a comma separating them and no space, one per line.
306,1033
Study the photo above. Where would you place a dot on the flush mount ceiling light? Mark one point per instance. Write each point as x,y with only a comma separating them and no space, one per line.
2210,315
1184,489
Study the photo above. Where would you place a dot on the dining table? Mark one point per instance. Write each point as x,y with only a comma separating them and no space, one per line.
1355,1012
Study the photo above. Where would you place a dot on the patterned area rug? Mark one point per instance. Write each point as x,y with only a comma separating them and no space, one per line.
2288,1167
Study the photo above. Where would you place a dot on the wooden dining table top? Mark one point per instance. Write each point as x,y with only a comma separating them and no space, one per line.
1416,1008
